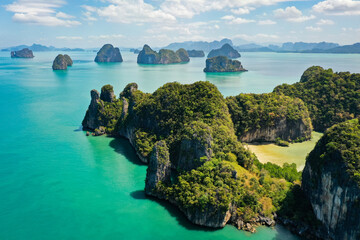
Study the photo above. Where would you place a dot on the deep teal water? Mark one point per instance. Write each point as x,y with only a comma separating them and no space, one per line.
56,183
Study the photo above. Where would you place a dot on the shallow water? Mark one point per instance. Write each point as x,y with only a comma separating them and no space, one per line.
56,183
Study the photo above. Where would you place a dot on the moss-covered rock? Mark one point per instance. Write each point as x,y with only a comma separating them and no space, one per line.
61,62
108,54
223,64
183,55
226,50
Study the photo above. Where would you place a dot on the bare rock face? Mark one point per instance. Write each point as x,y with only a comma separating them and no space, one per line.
108,54
159,168
90,121
331,181
195,149
24,53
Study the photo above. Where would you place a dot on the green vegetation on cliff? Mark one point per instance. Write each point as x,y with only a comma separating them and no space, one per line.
330,97
61,62
108,54
252,113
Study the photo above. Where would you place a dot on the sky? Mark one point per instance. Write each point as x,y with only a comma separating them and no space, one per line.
132,23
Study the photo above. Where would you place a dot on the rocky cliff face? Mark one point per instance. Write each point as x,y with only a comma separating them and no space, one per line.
91,117
108,54
159,169
61,62
226,50
24,53
283,129
165,56
223,64
268,117
331,181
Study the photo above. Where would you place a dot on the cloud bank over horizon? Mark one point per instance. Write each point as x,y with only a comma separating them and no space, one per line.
131,23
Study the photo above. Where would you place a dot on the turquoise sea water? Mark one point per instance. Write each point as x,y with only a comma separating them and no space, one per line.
56,183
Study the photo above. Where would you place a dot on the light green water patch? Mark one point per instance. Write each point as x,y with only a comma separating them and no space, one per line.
295,153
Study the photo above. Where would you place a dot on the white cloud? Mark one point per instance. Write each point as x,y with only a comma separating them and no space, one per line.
338,7
40,12
136,11
260,37
325,22
292,14
241,11
266,22
313,29
112,36
234,20
69,38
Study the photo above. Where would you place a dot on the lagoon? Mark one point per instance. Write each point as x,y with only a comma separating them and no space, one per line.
56,183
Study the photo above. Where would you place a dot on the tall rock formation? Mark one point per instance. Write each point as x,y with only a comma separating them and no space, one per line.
331,180
226,50
24,53
61,62
108,54
165,56
223,64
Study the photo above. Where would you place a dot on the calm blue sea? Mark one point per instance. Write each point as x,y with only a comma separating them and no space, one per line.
56,183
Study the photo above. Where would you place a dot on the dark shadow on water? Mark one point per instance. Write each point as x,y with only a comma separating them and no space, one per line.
79,129
122,146
173,210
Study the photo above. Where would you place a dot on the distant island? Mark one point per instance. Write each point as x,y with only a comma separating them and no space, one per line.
108,54
200,45
164,56
24,53
40,48
226,50
223,64
61,62
196,53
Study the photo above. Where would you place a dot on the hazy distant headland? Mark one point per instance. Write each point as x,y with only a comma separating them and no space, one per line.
287,47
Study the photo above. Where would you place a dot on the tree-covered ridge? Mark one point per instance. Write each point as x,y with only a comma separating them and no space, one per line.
340,143
164,56
226,50
330,97
255,112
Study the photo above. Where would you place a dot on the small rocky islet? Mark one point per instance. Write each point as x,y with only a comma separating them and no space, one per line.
61,62
24,53
108,54
164,56
199,164
223,64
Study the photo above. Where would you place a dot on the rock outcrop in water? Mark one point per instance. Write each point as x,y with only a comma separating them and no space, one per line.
223,64
61,62
165,56
269,117
24,53
108,54
186,132
331,180
226,50
196,53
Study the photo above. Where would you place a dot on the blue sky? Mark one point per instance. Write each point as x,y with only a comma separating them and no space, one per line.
132,23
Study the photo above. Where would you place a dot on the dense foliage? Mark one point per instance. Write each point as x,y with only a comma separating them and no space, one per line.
339,143
108,54
251,112
61,62
330,97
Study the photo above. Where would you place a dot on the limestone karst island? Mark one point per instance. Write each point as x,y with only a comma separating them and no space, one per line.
181,119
